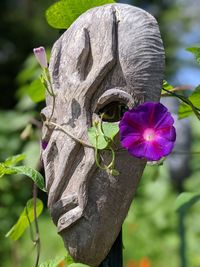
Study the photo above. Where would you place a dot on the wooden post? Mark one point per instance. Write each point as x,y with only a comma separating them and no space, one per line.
112,55
115,255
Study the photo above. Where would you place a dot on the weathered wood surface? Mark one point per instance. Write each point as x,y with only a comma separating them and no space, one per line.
110,53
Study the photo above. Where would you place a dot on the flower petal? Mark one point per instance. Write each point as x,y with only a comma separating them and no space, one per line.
163,145
168,133
130,140
151,151
132,121
143,150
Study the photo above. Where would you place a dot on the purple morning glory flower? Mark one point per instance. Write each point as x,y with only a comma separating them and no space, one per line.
41,57
147,131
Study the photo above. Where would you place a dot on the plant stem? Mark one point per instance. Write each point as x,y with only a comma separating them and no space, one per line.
30,226
97,161
69,134
186,101
37,238
53,107
183,257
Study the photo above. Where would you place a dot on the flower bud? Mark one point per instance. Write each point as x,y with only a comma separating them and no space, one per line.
41,57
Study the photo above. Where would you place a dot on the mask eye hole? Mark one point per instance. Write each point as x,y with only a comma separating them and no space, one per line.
113,111
43,117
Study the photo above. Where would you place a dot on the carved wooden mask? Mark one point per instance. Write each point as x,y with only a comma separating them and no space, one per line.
112,54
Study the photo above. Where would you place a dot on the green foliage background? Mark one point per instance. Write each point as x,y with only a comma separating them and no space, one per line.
151,227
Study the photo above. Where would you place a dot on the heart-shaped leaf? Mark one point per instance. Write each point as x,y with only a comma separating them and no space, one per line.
96,138
36,91
110,129
63,13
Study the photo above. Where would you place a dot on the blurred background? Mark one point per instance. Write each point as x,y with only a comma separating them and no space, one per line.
154,234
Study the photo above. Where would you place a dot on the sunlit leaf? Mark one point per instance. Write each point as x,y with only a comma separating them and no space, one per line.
110,129
167,86
31,71
8,168
196,52
69,259
96,138
186,200
11,161
36,91
63,13
186,110
100,138
33,174
32,150
5,170
23,222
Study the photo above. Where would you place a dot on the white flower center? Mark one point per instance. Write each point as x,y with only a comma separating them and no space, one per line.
149,134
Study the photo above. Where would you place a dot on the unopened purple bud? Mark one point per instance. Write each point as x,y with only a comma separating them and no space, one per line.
41,57
44,144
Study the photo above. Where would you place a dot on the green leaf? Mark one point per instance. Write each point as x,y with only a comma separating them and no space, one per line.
186,110
17,120
36,91
101,139
53,263
8,167
167,86
30,71
32,150
186,200
110,129
18,229
96,138
69,259
33,174
11,161
78,265
5,170
63,13
196,52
